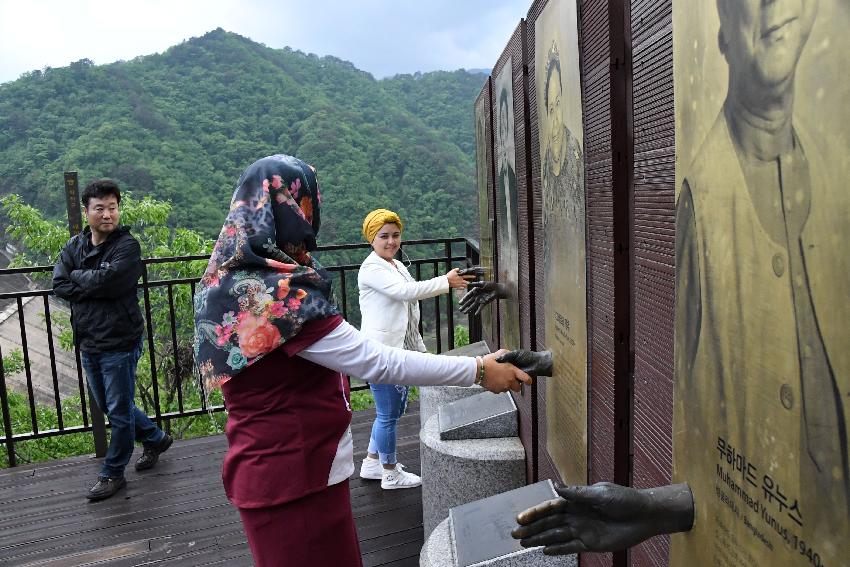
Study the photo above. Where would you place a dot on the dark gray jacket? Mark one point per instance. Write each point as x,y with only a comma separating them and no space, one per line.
100,283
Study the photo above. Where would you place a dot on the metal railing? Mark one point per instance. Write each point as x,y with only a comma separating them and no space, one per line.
167,385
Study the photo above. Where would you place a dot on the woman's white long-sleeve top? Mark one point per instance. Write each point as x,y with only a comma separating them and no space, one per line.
386,291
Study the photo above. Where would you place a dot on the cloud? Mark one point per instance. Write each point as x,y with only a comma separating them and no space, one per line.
383,37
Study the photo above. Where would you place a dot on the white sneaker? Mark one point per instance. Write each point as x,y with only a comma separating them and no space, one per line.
371,469
397,478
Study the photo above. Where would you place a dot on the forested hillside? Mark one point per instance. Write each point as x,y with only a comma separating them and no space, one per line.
442,100
181,126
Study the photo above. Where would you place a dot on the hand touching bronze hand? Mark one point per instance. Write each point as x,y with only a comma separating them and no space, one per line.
502,376
458,280
604,517
475,271
535,363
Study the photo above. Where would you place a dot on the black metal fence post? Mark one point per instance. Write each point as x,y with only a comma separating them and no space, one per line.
151,351
75,226
7,418
437,323
450,304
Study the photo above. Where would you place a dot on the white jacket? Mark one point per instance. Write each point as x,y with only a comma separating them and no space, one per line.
385,292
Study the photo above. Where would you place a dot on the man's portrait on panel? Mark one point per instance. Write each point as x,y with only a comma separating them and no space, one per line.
507,171
763,275
507,199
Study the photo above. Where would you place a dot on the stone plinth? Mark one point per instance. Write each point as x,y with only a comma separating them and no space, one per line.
432,397
438,551
457,472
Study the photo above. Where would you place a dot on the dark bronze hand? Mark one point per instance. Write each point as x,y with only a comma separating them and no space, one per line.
479,294
534,363
477,271
604,517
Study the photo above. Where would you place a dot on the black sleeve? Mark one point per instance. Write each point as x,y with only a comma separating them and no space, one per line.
62,285
120,278
688,293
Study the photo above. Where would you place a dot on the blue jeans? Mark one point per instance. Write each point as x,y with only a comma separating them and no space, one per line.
390,403
112,379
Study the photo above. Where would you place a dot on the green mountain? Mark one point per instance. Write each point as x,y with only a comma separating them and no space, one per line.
443,100
182,125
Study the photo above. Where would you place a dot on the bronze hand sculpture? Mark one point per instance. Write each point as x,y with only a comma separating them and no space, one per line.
604,517
479,294
534,363
477,271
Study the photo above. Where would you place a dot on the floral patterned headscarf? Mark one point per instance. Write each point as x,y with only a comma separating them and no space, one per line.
261,284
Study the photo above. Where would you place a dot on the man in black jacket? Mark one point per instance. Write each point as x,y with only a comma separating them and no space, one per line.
97,273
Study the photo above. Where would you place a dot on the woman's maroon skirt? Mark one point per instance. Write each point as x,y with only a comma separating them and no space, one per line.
315,530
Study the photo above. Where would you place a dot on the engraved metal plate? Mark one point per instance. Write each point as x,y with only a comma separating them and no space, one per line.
482,529
482,416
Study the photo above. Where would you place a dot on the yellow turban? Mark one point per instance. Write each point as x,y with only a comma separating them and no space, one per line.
377,219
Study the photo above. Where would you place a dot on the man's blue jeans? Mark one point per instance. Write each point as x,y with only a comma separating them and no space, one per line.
390,403
112,379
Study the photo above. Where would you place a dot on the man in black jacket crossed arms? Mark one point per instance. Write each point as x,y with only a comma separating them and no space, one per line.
97,273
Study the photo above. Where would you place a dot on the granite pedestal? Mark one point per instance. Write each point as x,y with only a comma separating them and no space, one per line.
477,534
438,552
457,472
432,397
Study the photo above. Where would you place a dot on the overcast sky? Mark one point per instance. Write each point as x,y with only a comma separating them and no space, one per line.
383,37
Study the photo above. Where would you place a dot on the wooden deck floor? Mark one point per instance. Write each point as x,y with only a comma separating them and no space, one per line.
177,513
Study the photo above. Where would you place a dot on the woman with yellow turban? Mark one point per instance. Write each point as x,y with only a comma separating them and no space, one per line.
389,304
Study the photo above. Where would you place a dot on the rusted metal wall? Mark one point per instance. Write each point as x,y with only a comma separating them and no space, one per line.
607,126
596,94
654,257
627,108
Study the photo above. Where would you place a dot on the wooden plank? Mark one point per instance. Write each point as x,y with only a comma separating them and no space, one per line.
178,513
391,555
104,554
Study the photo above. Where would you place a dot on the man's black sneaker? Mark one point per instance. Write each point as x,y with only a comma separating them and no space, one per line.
105,487
151,454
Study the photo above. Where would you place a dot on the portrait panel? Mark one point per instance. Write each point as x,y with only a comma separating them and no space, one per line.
485,223
762,343
506,194
558,82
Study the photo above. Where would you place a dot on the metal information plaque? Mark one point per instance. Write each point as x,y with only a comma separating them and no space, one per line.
564,250
762,336
482,529
481,416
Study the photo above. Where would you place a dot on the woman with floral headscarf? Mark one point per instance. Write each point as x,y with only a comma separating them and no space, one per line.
389,304
267,334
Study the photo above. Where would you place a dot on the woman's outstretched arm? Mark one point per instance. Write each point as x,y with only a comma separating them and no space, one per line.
346,350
